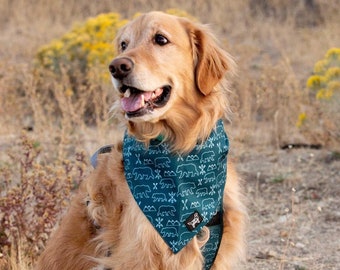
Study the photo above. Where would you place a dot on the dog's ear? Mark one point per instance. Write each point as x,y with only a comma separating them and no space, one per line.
211,61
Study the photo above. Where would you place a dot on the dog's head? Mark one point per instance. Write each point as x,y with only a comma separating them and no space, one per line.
168,73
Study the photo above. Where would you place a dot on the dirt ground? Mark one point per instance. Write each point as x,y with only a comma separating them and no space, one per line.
293,199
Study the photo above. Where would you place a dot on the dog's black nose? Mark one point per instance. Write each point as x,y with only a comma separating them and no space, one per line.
121,67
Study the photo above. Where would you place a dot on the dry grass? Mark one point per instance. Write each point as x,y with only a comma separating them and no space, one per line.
275,46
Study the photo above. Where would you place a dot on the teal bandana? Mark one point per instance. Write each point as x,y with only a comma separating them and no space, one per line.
179,194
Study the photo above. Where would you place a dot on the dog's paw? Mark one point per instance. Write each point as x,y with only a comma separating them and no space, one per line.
95,211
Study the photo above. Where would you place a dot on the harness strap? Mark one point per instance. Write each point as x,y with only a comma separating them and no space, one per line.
210,249
215,220
102,150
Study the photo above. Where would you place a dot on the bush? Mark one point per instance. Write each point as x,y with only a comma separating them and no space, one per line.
325,81
324,88
33,197
72,74
86,46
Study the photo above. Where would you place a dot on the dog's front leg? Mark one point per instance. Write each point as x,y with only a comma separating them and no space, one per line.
232,247
71,246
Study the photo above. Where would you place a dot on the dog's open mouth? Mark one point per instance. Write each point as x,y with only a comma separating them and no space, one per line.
136,102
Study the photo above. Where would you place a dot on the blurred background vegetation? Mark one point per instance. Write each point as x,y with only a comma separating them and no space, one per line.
55,92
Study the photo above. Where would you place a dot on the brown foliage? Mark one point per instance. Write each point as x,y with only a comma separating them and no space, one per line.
34,195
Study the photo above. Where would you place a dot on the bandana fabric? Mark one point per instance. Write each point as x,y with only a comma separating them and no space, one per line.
179,194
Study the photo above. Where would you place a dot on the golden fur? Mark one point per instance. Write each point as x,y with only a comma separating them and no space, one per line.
99,230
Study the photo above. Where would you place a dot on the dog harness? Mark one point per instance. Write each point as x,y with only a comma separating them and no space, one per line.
179,194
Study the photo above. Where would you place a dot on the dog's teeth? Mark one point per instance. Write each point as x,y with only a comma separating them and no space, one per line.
127,93
143,101
153,95
158,91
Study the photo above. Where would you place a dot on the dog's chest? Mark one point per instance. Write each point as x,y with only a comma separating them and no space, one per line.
179,194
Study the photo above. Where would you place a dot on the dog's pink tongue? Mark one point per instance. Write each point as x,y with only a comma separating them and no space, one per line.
132,103
135,101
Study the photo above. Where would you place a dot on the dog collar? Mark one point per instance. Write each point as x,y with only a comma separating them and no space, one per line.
179,194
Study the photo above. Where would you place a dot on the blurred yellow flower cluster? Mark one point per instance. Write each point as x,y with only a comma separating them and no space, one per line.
301,119
180,13
85,46
326,78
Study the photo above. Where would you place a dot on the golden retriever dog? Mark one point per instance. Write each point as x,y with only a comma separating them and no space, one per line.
160,198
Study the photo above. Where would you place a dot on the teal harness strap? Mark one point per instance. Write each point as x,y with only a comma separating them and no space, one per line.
179,194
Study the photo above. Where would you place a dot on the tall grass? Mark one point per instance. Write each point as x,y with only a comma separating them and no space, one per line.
275,43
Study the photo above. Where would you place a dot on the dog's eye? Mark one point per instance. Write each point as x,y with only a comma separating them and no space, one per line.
161,40
123,45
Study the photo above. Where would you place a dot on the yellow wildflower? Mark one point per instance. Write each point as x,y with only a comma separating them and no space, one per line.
332,73
333,53
315,81
69,92
321,66
85,45
301,119
334,86
180,13
136,15
324,94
